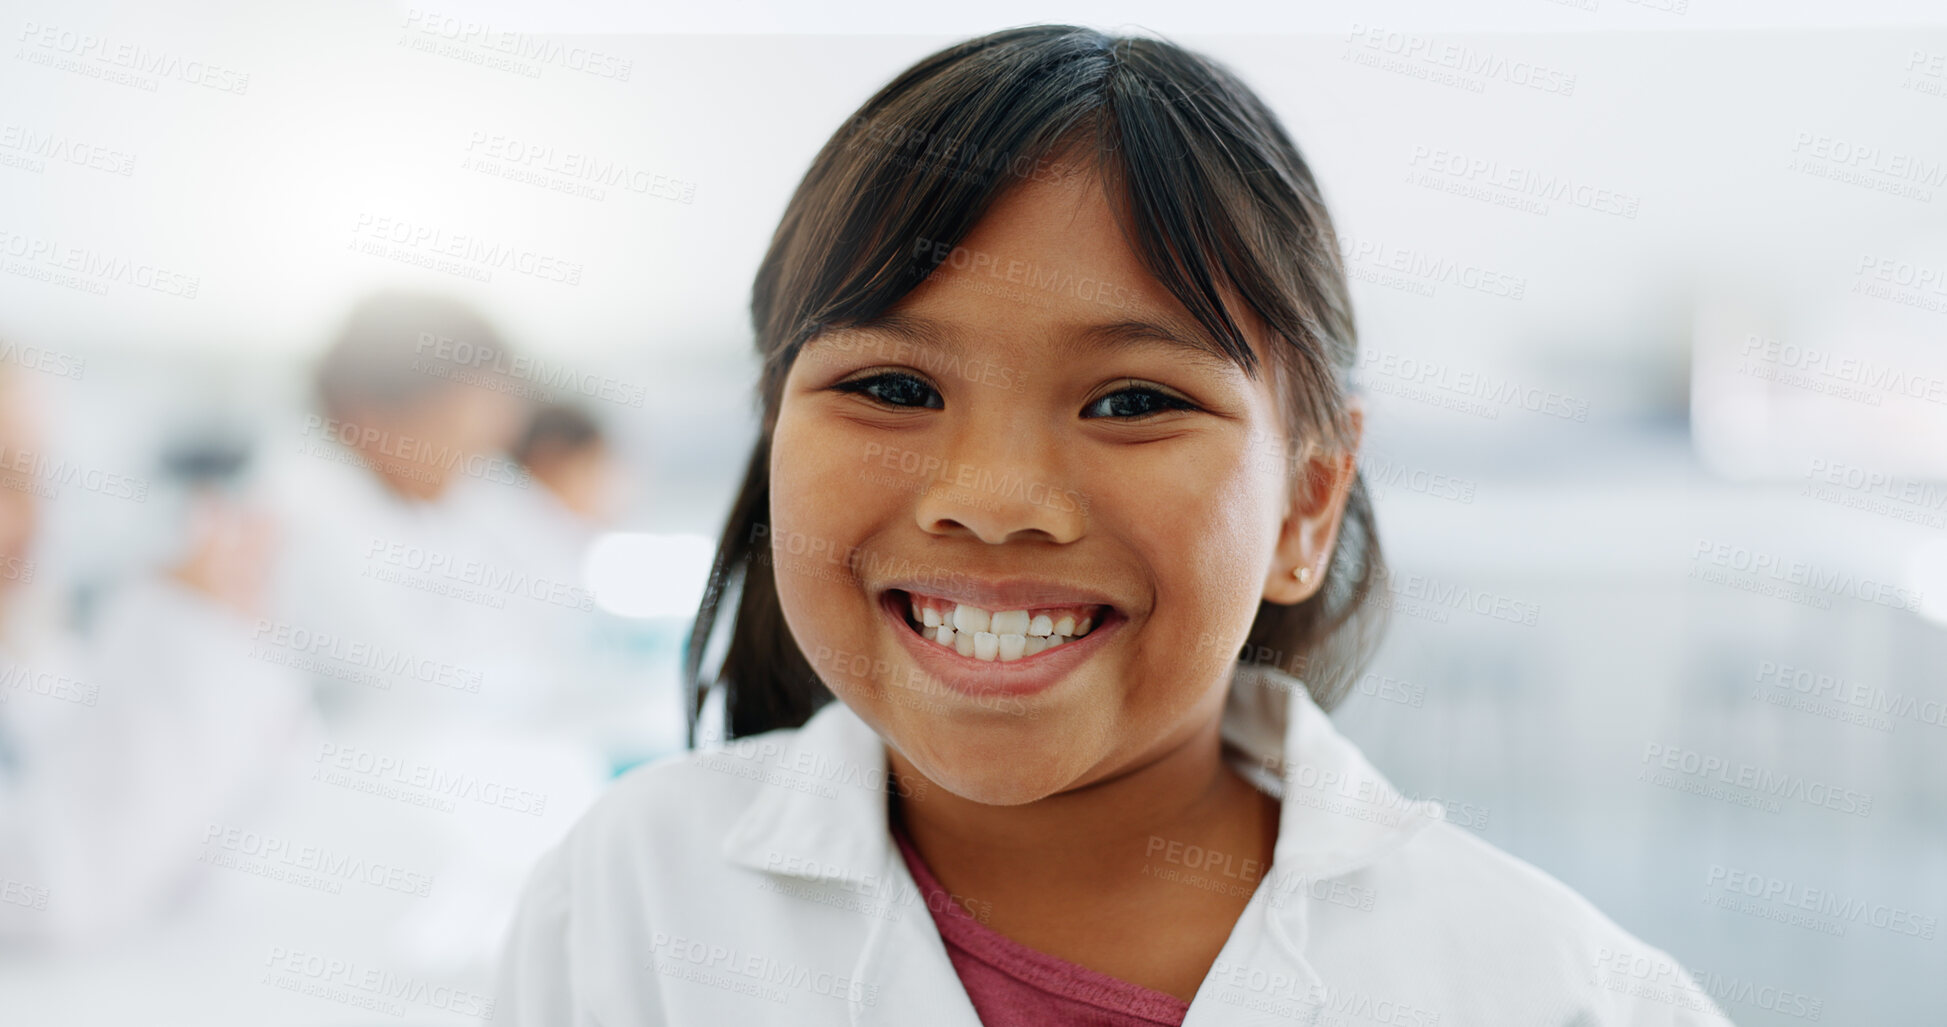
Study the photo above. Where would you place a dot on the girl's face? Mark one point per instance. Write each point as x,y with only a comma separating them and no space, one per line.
1034,435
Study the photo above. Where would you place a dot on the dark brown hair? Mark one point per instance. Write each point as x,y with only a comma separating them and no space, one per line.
554,431
380,356
1213,197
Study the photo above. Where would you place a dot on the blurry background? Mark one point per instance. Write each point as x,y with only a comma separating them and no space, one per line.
1653,298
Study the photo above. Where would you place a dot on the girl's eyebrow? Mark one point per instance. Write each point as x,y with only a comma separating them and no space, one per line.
1185,337
1188,338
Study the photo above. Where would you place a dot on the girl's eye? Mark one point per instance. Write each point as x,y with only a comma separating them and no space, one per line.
1136,402
895,390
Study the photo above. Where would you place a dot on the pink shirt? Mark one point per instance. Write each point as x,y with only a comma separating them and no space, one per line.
1012,985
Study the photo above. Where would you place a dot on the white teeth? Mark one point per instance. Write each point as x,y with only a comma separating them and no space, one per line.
1004,635
988,646
971,618
1010,622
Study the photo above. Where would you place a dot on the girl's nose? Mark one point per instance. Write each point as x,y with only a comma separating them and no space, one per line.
1007,489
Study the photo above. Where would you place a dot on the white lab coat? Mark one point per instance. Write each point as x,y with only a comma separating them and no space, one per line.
758,884
362,571
434,641
163,727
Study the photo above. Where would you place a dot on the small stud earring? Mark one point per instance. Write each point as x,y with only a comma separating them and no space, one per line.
1303,574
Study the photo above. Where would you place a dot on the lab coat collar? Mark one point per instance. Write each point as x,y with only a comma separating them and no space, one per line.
823,814
1337,812
1337,815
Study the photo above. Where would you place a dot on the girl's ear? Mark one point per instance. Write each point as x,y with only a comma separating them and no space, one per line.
1317,506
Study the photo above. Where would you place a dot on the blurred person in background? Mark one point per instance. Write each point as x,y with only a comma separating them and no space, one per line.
567,452
438,516
625,696
119,748
408,589
389,550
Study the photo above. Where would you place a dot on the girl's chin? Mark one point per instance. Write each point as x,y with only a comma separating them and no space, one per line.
1008,792
993,780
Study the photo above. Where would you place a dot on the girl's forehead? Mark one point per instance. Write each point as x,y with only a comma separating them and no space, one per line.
1066,225
1051,258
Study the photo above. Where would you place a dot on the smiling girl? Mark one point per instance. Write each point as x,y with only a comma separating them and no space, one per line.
1056,421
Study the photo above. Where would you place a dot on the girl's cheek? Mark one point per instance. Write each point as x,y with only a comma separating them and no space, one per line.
802,473
820,520
803,536
1204,528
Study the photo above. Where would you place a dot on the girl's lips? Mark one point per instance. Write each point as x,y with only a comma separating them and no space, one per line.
1025,676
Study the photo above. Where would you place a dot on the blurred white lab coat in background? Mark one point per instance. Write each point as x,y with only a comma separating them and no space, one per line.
119,752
